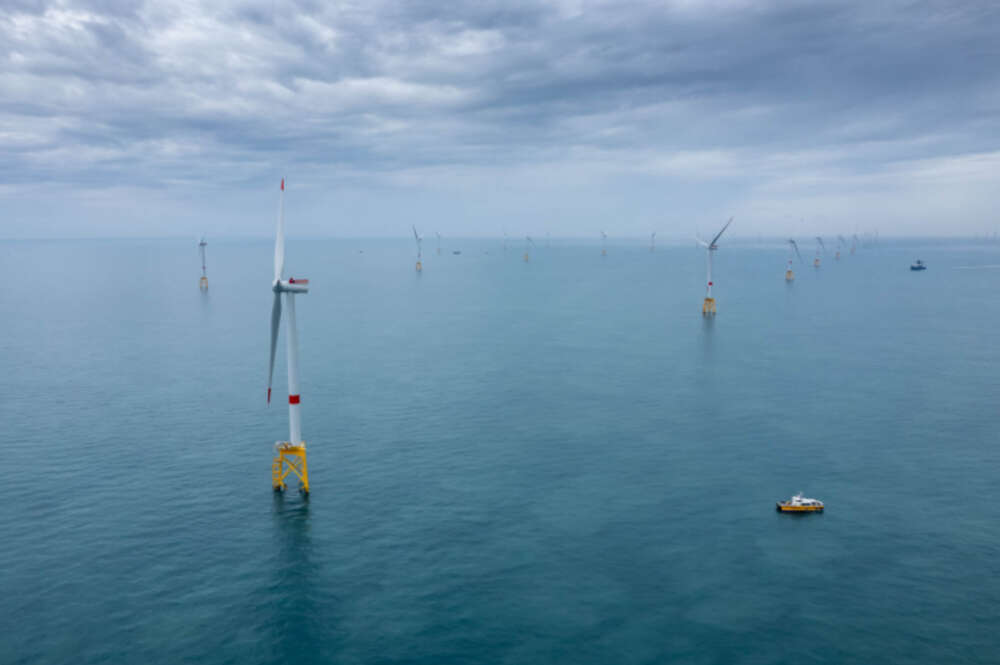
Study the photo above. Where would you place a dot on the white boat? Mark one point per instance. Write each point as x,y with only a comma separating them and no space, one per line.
800,504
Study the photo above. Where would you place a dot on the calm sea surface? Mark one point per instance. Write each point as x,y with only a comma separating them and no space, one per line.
557,461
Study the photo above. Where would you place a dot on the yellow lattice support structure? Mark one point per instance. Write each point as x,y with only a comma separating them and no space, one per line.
708,307
290,460
203,283
789,275
420,266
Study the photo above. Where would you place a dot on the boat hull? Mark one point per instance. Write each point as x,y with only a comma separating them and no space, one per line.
782,508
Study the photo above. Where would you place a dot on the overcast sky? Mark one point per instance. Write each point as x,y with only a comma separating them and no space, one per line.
119,117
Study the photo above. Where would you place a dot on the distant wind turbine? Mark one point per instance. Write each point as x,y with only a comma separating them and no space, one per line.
528,244
789,274
708,307
203,282
438,242
820,248
416,236
652,242
604,243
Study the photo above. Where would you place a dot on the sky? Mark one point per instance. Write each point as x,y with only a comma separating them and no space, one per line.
475,118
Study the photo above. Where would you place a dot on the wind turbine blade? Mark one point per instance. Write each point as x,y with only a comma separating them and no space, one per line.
416,236
275,324
796,246
279,240
700,241
719,234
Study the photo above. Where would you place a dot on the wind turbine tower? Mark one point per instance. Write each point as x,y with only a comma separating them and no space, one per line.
789,275
652,242
438,243
528,244
416,236
604,243
291,454
708,307
203,282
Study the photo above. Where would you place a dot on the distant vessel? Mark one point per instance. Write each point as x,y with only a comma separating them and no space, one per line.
800,504
456,252
918,265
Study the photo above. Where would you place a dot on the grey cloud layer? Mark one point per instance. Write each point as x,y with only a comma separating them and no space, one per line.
767,106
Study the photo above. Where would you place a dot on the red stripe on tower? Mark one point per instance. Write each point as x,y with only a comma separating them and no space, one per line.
293,399
282,184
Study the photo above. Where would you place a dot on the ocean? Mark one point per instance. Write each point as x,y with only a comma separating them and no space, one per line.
511,462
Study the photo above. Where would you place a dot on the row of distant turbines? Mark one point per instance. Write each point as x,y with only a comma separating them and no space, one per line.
820,250
290,455
708,307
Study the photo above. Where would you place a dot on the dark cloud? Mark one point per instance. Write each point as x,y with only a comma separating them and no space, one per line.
768,106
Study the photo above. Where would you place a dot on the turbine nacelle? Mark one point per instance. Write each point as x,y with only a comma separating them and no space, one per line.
291,285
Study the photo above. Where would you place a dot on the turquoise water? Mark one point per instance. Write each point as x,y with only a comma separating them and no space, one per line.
557,461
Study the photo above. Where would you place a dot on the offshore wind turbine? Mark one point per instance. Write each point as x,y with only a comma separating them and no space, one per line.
708,307
528,244
854,243
203,282
416,236
604,243
789,275
652,242
819,247
840,243
438,242
291,454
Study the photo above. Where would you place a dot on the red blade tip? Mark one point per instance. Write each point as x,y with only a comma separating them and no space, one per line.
282,184
268,395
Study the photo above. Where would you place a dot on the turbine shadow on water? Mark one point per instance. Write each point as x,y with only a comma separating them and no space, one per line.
296,619
707,341
707,326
